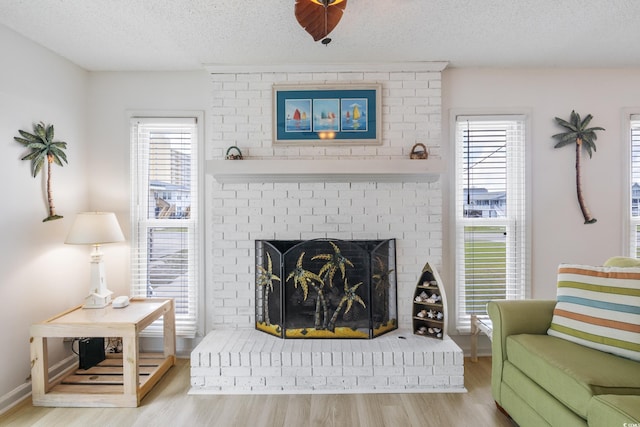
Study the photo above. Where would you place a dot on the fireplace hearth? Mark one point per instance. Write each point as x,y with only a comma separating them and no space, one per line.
326,288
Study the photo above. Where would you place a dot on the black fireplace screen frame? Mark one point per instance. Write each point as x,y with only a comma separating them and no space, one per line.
326,288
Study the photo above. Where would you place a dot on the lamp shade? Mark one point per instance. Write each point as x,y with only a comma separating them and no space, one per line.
95,228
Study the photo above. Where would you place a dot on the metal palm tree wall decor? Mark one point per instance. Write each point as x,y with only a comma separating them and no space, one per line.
578,133
42,146
319,17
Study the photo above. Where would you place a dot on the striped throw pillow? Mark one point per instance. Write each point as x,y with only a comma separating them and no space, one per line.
599,307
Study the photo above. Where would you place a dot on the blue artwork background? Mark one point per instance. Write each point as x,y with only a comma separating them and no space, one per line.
330,101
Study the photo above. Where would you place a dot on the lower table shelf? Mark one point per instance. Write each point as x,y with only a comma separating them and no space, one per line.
103,384
107,377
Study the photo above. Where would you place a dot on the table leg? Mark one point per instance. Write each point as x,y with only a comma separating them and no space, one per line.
169,325
130,357
39,367
474,338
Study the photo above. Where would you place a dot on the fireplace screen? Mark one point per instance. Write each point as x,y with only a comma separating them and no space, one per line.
326,288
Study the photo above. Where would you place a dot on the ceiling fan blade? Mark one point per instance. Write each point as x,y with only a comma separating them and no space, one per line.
311,17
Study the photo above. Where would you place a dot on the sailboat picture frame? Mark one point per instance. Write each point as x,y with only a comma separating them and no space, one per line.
343,114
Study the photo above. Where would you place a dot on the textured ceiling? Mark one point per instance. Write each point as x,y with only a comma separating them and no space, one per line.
116,35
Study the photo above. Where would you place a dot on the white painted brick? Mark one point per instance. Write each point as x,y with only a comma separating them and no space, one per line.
427,358
434,381
448,370
389,371
265,359
196,359
297,371
219,381
347,359
367,359
267,371
327,371
373,381
377,359
342,382
197,381
402,381
359,371
235,371
280,382
203,372
418,370
458,358
225,359
235,358
438,358
387,358
311,381
256,359
456,381
250,382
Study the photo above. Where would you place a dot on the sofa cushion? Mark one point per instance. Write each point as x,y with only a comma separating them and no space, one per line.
622,261
572,373
612,410
529,404
599,307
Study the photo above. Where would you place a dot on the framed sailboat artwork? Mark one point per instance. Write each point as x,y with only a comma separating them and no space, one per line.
347,114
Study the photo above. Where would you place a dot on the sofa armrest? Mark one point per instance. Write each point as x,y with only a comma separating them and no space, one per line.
520,317
513,318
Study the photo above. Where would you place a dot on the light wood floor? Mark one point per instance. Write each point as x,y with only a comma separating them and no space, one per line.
169,405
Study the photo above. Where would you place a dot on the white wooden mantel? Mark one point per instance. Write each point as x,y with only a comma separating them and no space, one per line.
338,170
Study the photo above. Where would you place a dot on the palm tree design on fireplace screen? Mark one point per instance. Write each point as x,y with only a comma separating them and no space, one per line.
335,261
265,282
329,288
305,278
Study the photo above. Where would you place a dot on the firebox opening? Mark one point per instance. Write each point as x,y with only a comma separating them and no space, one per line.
326,288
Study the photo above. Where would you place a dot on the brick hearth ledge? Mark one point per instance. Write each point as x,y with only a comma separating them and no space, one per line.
246,361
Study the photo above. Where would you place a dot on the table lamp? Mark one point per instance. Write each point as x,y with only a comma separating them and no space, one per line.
96,228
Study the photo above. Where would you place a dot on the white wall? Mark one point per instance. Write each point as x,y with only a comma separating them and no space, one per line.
111,96
39,275
558,229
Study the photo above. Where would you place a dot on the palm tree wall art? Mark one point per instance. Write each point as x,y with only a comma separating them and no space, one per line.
43,148
584,137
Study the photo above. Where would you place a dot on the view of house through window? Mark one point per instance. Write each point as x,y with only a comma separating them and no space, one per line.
164,214
490,213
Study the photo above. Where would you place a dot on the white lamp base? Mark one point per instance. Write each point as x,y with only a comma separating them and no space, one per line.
99,295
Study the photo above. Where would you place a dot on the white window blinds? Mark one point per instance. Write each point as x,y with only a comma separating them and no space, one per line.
164,215
634,209
490,213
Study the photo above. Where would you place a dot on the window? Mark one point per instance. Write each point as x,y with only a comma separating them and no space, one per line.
491,237
634,195
164,214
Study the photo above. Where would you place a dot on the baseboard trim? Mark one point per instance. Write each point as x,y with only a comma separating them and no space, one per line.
23,391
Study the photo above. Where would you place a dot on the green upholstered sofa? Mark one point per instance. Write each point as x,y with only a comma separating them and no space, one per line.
543,380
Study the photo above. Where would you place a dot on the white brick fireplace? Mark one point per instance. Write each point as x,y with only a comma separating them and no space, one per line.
238,213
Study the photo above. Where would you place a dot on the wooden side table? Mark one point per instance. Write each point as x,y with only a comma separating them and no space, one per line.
130,387
479,324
